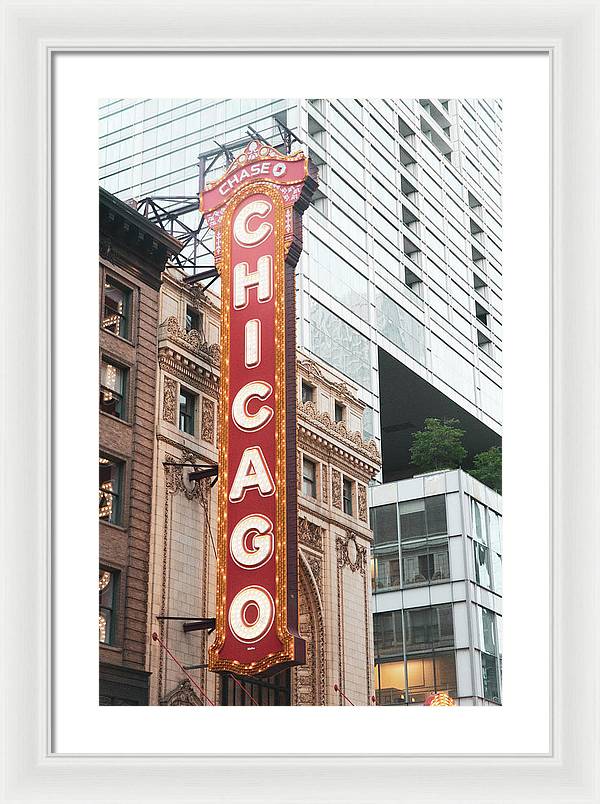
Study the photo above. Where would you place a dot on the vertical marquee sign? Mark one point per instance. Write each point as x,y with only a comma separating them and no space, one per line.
255,210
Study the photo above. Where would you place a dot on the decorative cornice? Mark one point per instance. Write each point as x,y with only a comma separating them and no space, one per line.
340,389
323,450
193,341
339,431
189,372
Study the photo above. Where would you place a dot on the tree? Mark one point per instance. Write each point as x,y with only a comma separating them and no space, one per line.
438,446
487,468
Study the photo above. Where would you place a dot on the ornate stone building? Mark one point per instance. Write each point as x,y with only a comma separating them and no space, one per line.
335,465
133,253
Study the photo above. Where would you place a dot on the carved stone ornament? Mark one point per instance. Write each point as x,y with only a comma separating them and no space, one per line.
308,411
340,389
177,477
351,553
182,695
336,488
193,340
169,399
325,483
310,534
207,429
363,513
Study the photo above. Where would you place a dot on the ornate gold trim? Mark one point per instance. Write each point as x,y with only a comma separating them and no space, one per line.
216,663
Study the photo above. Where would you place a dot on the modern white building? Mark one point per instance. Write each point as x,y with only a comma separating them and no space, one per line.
400,282
437,582
399,291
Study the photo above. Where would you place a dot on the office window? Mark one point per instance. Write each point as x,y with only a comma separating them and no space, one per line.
489,672
386,569
113,383
481,314
485,343
193,319
479,284
412,681
428,628
387,633
488,631
308,392
482,565
117,308
423,517
107,586
425,563
111,490
401,328
384,525
187,411
479,521
309,478
413,282
347,496
339,412
339,344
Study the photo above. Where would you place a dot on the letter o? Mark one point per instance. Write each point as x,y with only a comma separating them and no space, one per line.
241,628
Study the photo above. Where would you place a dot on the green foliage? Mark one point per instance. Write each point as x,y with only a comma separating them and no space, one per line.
438,446
487,468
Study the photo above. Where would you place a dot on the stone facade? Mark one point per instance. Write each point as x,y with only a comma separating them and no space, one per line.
133,253
182,576
334,582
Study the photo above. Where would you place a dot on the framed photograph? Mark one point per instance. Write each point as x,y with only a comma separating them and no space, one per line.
345,351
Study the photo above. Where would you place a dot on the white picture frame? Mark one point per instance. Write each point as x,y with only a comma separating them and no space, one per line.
569,33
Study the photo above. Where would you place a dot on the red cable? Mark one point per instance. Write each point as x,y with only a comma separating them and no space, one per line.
156,638
337,689
239,683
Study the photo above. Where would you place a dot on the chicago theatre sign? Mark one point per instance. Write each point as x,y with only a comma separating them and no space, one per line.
255,210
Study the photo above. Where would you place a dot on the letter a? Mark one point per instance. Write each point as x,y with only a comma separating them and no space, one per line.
252,472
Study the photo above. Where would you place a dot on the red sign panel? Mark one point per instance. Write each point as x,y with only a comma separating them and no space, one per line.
255,210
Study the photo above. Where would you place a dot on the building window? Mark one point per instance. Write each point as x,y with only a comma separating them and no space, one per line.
489,672
110,492
481,314
483,575
386,569
347,496
339,412
424,517
425,564
412,680
308,392
423,535
117,308
413,282
484,342
479,284
187,411
428,628
193,319
309,478
113,383
384,524
107,586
